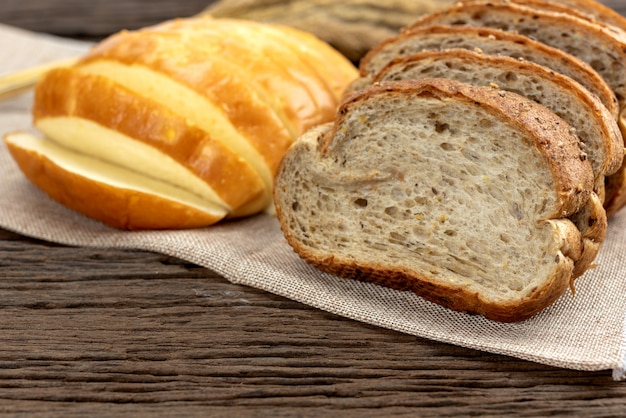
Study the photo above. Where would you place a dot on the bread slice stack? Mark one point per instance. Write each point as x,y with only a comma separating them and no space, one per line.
475,161
597,43
178,125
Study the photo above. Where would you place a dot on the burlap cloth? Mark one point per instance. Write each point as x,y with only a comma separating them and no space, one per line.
585,332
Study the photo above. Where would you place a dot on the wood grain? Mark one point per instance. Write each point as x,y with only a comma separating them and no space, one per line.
93,19
90,332
110,332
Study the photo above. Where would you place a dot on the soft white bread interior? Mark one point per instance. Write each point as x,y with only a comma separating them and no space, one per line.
207,106
466,195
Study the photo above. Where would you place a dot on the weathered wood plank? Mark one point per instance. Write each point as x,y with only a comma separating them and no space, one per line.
83,328
93,19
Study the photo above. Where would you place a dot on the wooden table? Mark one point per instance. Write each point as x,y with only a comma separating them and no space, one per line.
88,332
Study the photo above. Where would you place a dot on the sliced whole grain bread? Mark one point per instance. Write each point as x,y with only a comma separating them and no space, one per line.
602,47
461,194
595,126
489,41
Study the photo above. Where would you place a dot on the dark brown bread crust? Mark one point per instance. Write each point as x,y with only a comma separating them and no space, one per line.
451,297
592,223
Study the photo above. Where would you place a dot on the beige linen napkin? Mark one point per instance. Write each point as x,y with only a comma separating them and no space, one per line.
585,332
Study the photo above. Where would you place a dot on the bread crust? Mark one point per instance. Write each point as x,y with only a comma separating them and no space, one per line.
573,180
304,101
452,297
335,68
592,222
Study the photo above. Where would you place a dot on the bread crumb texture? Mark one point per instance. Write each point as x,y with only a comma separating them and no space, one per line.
429,193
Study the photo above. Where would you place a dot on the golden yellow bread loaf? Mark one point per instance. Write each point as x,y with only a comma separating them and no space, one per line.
193,114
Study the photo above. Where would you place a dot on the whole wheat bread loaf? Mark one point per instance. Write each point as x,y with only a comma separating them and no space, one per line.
468,196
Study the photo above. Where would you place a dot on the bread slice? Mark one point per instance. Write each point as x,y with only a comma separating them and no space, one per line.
589,9
118,197
602,47
459,193
595,126
491,42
